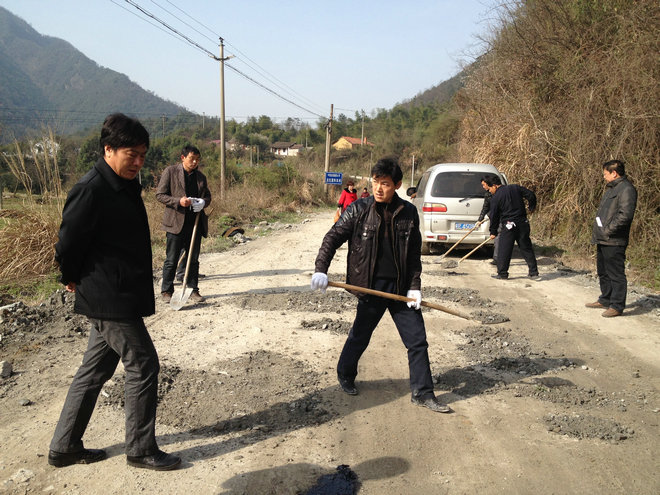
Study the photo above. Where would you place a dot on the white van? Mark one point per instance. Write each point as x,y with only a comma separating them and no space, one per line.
449,198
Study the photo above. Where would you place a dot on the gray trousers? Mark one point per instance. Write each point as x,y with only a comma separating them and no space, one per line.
110,340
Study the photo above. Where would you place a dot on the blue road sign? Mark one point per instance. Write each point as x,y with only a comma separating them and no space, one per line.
333,178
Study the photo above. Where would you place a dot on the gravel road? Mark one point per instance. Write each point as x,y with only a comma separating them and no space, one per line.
549,397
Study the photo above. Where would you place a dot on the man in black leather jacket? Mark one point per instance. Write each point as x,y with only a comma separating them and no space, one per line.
384,253
611,230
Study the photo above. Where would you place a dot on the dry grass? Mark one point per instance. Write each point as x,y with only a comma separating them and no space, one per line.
27,243
564,87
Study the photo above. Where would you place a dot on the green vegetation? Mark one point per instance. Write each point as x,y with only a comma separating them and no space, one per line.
563,86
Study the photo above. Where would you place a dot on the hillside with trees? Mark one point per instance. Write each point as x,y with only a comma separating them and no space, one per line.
44,81
564,86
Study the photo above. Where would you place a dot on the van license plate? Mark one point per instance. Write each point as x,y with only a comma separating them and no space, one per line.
464,226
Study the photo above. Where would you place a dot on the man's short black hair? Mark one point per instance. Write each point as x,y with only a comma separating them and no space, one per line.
120,131
491,180
189,148
615,165
388,167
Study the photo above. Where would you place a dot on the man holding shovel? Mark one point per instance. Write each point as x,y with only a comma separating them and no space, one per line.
184,191
384,254
104,254
508,215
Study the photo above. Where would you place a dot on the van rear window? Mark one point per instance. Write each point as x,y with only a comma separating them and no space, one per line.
458,185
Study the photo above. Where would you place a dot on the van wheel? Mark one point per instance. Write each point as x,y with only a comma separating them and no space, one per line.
426,247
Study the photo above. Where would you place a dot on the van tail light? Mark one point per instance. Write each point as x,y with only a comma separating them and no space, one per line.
434,208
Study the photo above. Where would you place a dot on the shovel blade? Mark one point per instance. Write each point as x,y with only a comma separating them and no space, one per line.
180,298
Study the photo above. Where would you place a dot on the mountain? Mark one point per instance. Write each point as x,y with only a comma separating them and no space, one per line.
46,81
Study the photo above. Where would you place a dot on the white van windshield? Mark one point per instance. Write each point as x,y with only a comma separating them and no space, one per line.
458,185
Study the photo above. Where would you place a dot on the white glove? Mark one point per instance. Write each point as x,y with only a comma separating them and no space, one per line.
197,204
417,296
319,281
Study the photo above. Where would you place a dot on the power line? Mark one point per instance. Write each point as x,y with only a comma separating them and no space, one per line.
181,20
183,36
263,71
146,20
199,47
272,91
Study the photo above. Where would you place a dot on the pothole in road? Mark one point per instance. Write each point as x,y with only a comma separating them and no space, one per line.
333,301
259,391
466,297
328,324
582,427
483,344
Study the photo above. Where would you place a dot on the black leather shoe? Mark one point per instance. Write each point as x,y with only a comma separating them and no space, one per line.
500,277
347,385
85,456
160,461
431,403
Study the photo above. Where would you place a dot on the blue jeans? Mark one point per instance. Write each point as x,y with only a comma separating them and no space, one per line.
410,324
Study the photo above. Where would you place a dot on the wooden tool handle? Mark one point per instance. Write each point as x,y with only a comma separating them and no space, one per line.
396,297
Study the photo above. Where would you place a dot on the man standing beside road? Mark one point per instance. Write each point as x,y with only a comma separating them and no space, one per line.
611,231
507,212
184,191
384,253
104,254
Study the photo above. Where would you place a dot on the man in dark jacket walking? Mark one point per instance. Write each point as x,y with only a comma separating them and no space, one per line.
384,253
611,231
507,213
104,254
184,191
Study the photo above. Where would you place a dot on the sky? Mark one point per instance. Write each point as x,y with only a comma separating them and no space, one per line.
359,55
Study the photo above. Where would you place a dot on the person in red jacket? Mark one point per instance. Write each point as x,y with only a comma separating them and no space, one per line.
348,195
365,193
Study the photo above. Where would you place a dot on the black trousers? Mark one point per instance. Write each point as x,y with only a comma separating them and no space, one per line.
175,243
410,324
611,267
508,237
109,341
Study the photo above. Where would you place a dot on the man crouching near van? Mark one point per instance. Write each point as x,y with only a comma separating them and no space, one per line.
384,253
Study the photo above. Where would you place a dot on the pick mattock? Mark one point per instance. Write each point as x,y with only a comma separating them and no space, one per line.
467,255
397,297
179,299
459,241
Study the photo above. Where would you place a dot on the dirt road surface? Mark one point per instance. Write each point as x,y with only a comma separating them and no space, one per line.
554,399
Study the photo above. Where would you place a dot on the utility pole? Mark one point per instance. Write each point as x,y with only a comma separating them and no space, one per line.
412,178
362,137
163,117
203,118
328,135
223,164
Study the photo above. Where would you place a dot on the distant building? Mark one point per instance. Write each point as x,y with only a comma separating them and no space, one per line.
285,148
349,143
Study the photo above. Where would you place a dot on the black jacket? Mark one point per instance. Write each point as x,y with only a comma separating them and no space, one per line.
507,205
485,210
105,247
616,211
359,226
